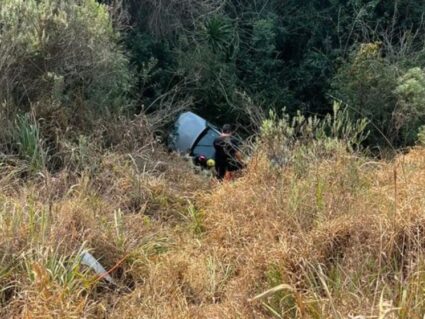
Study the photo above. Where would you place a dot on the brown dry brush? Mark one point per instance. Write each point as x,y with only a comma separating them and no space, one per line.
339,236
112,198
334,236
125,209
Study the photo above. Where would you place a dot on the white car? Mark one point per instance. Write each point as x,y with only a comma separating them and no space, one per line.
193,136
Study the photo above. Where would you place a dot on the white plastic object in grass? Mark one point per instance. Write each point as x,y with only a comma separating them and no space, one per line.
88,260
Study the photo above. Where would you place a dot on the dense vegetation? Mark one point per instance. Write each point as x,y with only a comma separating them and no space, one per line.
78,61
315,228
225,55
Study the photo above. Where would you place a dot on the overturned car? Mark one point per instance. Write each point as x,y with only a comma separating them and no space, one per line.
193,136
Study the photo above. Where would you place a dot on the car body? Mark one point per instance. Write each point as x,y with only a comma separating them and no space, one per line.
194,136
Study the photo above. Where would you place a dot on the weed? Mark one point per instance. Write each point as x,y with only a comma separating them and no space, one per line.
29,142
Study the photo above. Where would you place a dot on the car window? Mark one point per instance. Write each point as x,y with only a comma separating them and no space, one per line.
205,145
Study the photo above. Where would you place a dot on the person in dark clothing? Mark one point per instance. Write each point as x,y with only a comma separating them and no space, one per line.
227,156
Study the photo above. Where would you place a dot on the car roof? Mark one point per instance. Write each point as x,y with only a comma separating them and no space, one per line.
187,129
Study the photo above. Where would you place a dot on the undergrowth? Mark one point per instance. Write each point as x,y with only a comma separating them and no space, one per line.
327,233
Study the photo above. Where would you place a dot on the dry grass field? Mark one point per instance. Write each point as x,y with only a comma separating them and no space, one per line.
337,236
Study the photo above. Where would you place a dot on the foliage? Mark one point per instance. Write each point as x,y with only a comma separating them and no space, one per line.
312,229
282,135
366,84
421,135
218,34
152,59
208,76
30,145
410,111
279,54
386,92
61,62
61,50
260,63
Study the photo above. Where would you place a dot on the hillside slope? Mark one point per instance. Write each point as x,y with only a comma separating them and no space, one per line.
338,236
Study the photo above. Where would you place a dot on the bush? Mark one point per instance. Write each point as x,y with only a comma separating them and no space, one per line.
410,111
366,83
64,51
390,93
284,139
421,136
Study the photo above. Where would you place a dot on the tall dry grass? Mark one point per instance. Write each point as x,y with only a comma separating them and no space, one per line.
329,235
344,235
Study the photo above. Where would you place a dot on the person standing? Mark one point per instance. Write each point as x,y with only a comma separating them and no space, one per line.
227,156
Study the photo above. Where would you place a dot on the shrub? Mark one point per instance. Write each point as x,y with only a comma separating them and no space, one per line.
283,137
366,84
386,91
61,50
410,111
421,135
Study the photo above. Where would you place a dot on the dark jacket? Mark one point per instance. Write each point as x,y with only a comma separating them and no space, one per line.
226,147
